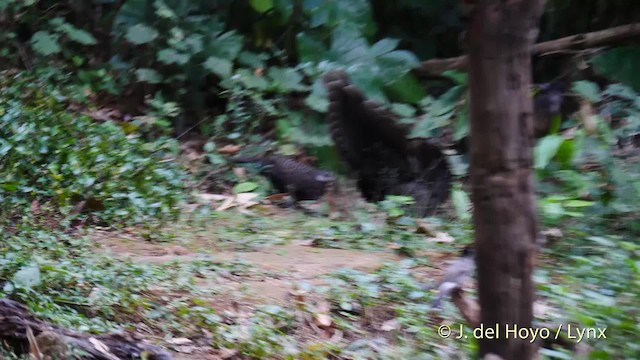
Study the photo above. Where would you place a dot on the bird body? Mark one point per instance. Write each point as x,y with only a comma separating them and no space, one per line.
377,148
456,273
301,181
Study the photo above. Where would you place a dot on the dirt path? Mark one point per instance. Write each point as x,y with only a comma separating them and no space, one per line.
280,266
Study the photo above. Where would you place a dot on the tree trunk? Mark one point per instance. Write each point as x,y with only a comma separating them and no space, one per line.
504,216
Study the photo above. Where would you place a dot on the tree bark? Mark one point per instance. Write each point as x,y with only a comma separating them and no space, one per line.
500,40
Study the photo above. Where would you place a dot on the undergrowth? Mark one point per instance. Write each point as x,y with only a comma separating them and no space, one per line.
53,155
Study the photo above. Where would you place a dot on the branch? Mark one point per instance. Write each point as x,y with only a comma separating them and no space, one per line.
579,41
54,341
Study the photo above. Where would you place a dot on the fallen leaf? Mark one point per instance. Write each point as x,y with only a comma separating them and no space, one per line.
552,232
323,320
441,237
240,172
211,197
246,198
311,242
424,227
276,197
390,325
588,117
189,208
227,353
323,307
227,204
180,341
35,207
323,314
229,149
102,348
178,250
184,349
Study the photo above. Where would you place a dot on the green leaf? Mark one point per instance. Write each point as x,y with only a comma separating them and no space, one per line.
148,75
396,64
28,277
406,89
261,6
251,59
403,110
218,66
578,203
461,78
588,90
396,212
284,7
383,46
141,34
622,91
556,354
250,80
310,49
620,64
226,46
601,241
546,149
286,79
317,100
461,203
45,43
209,146
447,101
78,35
566,152
461,123
245,187
349,47
170,56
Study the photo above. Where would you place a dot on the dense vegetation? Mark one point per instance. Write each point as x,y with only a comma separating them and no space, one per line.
102,103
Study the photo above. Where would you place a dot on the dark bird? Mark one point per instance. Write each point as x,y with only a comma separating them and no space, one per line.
299,180
378,150
547,103
455,274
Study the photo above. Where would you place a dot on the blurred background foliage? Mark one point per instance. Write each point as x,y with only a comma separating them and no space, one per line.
239,72
101,97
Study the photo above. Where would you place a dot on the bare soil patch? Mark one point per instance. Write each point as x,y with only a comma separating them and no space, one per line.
281,265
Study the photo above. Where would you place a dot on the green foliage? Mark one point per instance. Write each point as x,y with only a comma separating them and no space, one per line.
51,154
392,291
608,186
395,205
546,149
245,187
461,203
51,34
597,287
588,90
371,68
441,112
620,64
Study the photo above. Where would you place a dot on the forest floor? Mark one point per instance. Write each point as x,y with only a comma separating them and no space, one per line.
264,260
